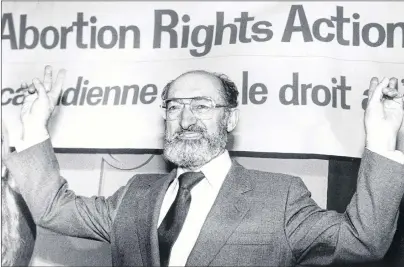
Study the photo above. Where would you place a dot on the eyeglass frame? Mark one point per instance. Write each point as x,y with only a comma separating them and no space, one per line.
164,105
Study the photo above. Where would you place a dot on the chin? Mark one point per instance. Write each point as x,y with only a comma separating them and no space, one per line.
189,153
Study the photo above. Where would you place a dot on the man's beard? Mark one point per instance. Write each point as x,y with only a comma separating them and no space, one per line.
194,153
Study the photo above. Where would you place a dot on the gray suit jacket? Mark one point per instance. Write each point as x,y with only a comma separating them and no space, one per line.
258,218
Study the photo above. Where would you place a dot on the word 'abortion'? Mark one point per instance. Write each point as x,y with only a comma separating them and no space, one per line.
173,30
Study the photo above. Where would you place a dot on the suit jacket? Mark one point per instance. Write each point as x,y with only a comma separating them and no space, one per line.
258,218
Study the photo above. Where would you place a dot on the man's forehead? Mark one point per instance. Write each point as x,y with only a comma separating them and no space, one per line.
196,84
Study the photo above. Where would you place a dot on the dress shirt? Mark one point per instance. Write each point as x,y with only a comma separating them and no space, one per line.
203,196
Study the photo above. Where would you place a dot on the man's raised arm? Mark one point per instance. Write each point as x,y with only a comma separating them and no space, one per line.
37,174
365,231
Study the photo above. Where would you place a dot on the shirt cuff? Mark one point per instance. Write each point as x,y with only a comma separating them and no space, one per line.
396,155
24,144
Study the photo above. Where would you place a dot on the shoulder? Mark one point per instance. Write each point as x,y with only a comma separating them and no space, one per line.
145,180
264,179
137,184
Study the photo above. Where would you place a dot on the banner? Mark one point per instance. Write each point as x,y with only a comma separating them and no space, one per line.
302,68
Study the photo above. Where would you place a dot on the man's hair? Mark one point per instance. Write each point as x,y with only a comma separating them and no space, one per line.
228,91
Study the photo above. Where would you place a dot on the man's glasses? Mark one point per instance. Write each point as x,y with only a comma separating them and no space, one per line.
201,107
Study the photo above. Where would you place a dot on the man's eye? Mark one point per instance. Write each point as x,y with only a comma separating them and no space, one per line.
201,107
174,107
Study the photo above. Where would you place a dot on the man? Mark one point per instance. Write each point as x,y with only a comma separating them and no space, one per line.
210,210
17,227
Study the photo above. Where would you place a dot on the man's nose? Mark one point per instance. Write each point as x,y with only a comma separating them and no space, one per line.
187,118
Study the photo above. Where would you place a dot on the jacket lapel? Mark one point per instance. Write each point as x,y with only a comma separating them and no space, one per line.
230,207
148,215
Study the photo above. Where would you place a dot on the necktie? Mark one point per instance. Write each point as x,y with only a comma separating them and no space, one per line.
171,226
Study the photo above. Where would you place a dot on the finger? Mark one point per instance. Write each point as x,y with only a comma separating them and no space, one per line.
57,88
27,103
390,92
393,82
378,92
28,89
40,88
47,80
372,87
24,85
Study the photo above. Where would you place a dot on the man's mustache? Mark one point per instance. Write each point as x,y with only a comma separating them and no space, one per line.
193,129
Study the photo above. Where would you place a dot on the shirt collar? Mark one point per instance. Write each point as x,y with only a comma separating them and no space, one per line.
215,170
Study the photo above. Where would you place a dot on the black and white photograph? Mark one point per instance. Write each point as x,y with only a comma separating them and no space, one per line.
202,133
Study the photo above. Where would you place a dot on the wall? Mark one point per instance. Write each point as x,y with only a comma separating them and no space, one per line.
89,174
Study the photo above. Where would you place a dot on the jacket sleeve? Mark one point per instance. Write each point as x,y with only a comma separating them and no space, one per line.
55,207
363,233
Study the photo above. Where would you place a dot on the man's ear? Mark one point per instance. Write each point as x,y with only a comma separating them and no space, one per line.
163,113
232,120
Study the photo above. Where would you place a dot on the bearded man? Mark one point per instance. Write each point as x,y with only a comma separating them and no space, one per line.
210,210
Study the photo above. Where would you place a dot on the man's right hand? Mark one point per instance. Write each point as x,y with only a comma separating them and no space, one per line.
39,103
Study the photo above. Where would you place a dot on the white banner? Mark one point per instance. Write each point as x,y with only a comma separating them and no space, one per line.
302,69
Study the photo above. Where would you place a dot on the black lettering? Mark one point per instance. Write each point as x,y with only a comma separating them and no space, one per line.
101,37
356,31
244,19
8,22
206,43
304,25
315,95
117,93
305,87
185,31
340,20
83,93
19,98
55,37
122,36
135,97
264,31
244,98
63,36
94,96
4,99
159,28
343,88
23,34
316,30
391,27
80,23
93,33
295,91
145,93
254,92
381,34
75,91
220,27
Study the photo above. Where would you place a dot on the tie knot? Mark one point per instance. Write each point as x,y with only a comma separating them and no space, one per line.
188,180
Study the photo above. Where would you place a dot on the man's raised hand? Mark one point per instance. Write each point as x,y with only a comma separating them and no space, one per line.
384,115
39,102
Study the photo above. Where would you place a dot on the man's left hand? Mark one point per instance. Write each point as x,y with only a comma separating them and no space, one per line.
384,115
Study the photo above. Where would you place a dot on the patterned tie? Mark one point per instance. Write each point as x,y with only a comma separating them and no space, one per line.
171,226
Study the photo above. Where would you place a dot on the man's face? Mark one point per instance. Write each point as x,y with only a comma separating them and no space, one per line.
191,141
